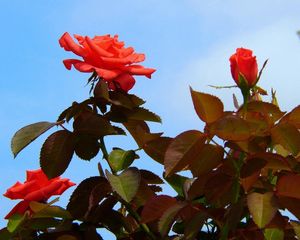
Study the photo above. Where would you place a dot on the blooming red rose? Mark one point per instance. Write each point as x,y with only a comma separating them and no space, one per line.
37,187
244,64
106,56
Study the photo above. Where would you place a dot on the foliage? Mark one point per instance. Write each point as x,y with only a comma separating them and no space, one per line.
244,171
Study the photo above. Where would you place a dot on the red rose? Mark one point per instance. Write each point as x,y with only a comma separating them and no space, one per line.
106,56
244,64
37,187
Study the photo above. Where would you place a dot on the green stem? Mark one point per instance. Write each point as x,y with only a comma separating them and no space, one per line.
103,148
105,154
246,94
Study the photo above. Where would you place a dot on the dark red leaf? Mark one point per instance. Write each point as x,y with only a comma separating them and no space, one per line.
57,152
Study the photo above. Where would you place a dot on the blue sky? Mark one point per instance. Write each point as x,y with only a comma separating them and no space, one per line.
188,42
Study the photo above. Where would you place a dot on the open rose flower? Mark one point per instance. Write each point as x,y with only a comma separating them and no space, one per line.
37,187
243,63
106,56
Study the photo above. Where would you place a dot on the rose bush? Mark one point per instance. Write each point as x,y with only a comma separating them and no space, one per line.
37,187
244,164
106,56
242,63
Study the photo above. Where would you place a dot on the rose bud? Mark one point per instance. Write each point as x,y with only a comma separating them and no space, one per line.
244,67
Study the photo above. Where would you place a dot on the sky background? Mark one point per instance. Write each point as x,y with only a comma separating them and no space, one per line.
188,42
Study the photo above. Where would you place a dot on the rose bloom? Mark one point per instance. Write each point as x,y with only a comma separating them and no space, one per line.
243,63
106,56
37,187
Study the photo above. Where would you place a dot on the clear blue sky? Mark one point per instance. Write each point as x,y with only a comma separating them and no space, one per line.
188,42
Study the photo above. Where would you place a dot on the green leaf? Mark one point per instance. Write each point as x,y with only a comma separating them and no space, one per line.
15,221
126,184
43,210
209,157
183,149
288,136
119,159
296,227
155,207
28,134
273,234
5,234
231,128
168,218
288,185
209,108
57,152
87,195
262,207
177,181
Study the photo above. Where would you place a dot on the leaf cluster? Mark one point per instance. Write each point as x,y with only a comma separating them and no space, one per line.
244,172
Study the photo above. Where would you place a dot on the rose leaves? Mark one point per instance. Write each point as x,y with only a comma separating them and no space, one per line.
243,169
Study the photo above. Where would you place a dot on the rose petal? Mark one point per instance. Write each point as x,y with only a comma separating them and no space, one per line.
68,44
38,187
110,59
140,70
100,51
124,81
79,65
18,191
248,67
234,68
126,51
65,184
43,193
107,74
36,175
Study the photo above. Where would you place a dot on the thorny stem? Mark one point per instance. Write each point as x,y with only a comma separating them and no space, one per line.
103,148
128,207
